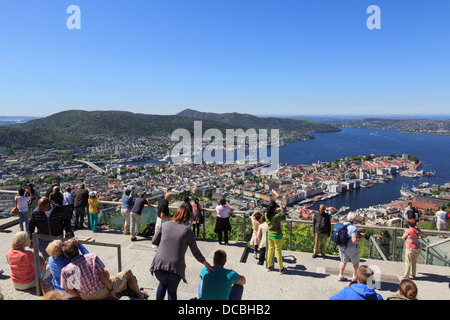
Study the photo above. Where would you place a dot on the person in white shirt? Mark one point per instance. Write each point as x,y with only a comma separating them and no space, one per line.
442,217
22,205
223,225
68,200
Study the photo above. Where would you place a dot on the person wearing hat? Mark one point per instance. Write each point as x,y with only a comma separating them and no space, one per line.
94,209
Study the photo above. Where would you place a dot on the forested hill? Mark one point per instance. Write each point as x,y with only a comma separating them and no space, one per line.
17,138
243,120
118,123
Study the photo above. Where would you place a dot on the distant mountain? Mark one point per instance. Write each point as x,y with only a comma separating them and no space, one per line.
244,120
118,123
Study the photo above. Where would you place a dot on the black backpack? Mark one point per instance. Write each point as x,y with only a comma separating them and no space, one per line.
149,230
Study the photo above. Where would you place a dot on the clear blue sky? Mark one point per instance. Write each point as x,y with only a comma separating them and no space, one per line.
253,56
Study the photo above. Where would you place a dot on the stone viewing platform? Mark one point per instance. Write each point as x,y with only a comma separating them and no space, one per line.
306,279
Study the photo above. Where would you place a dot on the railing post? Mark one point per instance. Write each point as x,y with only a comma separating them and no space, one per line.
290,235
204,224
370,247
37,264
243,231
427,250
119,258
394,244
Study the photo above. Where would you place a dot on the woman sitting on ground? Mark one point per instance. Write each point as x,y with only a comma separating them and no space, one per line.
21,262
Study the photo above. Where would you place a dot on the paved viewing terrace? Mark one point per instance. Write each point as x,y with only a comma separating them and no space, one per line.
306,279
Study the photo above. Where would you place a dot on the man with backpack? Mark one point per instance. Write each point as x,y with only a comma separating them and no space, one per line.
348,251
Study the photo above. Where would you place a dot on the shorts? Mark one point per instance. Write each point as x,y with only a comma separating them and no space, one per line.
350,253
442,225
119,284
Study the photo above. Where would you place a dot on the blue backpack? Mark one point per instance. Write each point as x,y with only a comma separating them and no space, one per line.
339,234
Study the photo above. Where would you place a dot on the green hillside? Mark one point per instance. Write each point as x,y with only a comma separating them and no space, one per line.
243,120
119,123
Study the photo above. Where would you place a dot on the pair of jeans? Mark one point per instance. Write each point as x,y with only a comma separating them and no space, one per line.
23,219
168,282
274,245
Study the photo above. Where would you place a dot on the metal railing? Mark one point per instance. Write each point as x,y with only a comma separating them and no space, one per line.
37,270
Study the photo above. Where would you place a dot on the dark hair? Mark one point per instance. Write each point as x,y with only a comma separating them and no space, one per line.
186,199
257,215
411,223
271,209
220,257
142,195
21,192
408,289
127,192
223,201
70,249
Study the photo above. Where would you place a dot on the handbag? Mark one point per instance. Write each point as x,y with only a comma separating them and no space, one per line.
15,211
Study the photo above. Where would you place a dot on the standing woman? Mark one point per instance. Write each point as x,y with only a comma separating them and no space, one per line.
274,236
412,238
94,209
223,226
22,205
196,216
172,239
34,197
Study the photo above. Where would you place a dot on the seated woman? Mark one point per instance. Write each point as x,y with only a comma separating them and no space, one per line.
21,262
57,261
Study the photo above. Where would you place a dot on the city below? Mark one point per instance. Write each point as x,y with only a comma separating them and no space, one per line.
298,187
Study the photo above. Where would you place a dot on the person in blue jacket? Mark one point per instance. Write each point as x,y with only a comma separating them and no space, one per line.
359,290
57,261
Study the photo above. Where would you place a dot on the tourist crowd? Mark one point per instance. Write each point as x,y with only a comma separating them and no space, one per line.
76,273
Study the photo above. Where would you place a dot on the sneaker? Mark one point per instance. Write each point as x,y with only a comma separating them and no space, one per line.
133,239
269,269
282,271
314,256
342,278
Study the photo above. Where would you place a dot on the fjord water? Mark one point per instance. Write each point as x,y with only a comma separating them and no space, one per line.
432,150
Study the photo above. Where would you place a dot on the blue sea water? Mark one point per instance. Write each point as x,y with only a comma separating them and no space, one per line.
432,150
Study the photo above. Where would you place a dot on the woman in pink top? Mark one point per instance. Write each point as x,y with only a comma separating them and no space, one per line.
412,238
21,262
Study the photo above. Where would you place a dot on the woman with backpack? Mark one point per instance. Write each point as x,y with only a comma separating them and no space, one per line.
274,236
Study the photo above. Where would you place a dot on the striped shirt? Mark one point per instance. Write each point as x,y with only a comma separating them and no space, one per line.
82,274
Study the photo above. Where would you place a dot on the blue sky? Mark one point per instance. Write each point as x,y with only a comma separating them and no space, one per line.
252,56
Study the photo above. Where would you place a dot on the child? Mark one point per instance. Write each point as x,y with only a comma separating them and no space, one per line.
94,209
262,239
255,223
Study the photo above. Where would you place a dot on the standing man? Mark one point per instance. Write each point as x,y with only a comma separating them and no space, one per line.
81,197
442,217
49,219
135,215
321,230
162,212
350,252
